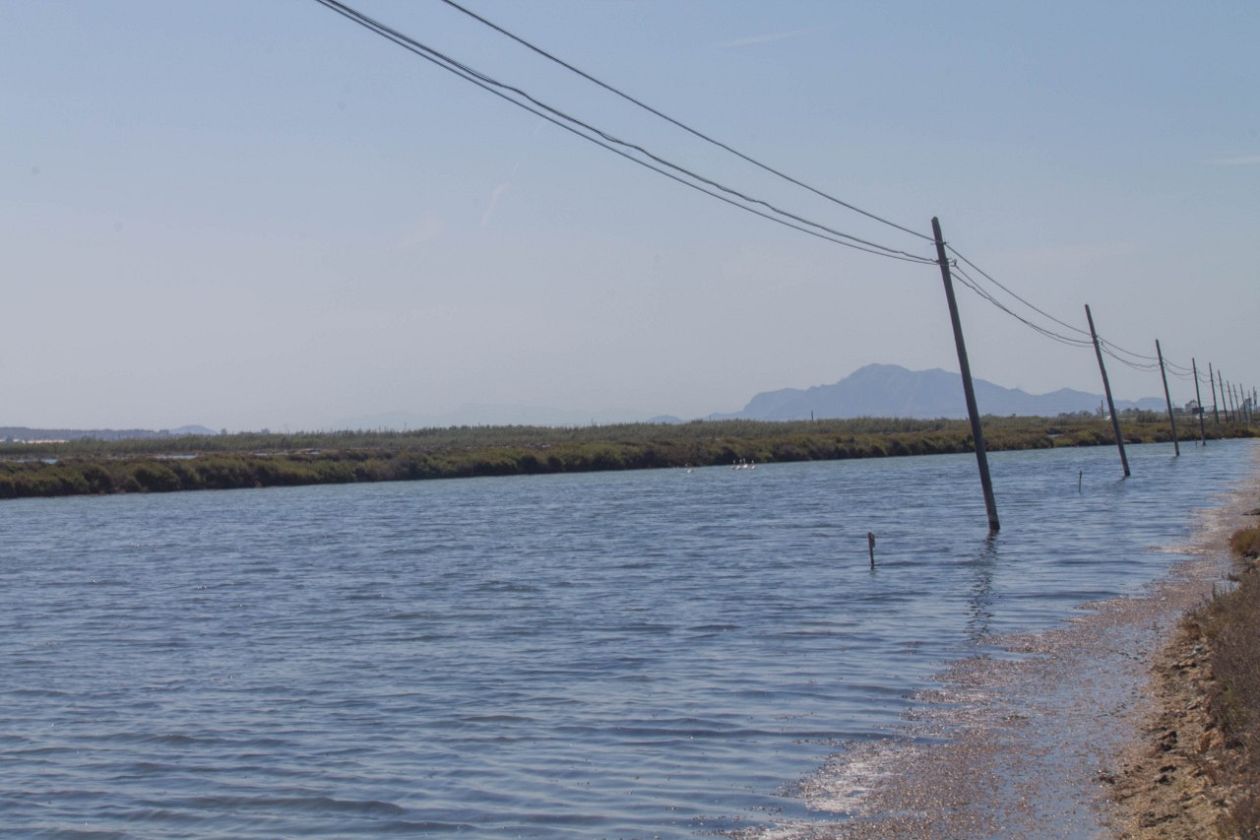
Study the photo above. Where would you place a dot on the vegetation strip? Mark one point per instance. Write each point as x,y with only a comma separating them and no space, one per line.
265,460
1197,775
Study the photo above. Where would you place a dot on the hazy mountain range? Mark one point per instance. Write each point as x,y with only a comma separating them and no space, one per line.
871,391
894,391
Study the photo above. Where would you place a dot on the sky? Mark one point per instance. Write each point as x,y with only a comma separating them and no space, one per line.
260,215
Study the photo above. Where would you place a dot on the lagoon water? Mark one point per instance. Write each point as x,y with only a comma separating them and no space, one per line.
647,654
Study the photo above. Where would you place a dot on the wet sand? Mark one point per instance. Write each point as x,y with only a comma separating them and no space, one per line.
1035,744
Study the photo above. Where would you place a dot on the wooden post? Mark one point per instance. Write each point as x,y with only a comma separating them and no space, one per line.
1111,405
1233,406
977,434
870,546
1194,368
1172,418
1224,402
1216,412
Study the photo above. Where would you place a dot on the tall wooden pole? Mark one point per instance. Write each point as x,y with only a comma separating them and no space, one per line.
1216,412
1233,406
977,434
1111,404
1194,368
1224,401
1172,418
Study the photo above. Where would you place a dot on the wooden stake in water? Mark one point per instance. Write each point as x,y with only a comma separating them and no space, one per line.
969,391
1111,405
1172,418
870,546
1194,368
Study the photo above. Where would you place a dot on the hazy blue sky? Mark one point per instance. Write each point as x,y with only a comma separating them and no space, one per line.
251,214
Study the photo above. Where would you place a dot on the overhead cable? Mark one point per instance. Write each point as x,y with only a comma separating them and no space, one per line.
1022,300
970,282
606,140
694,132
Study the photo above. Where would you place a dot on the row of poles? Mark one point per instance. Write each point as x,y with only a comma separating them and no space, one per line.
1236,403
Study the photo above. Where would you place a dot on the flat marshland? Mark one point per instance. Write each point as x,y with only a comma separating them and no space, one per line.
83,467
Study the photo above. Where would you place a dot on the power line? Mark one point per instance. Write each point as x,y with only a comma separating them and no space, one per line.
695,132
604,140
1137,361
970,282
1022,300
733,197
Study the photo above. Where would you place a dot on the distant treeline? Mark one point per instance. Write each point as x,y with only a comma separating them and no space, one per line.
220,462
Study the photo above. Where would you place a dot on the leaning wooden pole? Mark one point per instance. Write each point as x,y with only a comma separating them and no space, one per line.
1224,401
1198,400
1111,405
969,391
1172,418
1216,412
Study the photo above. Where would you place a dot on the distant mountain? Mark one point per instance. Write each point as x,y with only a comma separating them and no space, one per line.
25,433
894,391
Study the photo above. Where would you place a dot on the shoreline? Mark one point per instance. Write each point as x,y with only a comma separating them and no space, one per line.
1033,739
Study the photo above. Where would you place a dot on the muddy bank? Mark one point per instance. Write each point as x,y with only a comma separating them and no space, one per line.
1195,771
1032,740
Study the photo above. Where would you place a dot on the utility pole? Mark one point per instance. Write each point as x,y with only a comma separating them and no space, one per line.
1224,402
1111,404
1172,418
977,434
1194,368
1215,411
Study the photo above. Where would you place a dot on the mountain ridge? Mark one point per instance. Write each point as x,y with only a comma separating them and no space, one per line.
881,390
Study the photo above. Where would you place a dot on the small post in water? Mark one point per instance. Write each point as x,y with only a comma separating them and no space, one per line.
1111,405
969,391
1172,418
1080,482
1194,368
870,546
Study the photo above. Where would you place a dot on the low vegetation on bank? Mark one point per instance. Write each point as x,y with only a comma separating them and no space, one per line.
265,460
1230,625
1195,773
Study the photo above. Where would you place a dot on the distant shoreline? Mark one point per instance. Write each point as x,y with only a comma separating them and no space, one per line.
221,462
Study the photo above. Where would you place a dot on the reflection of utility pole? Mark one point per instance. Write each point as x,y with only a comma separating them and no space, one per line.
980,602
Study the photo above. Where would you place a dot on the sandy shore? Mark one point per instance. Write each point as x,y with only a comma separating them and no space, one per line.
1062,739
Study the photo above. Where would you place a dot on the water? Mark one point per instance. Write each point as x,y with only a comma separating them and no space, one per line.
650,654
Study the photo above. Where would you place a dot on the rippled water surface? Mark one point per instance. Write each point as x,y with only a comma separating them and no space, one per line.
649,654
